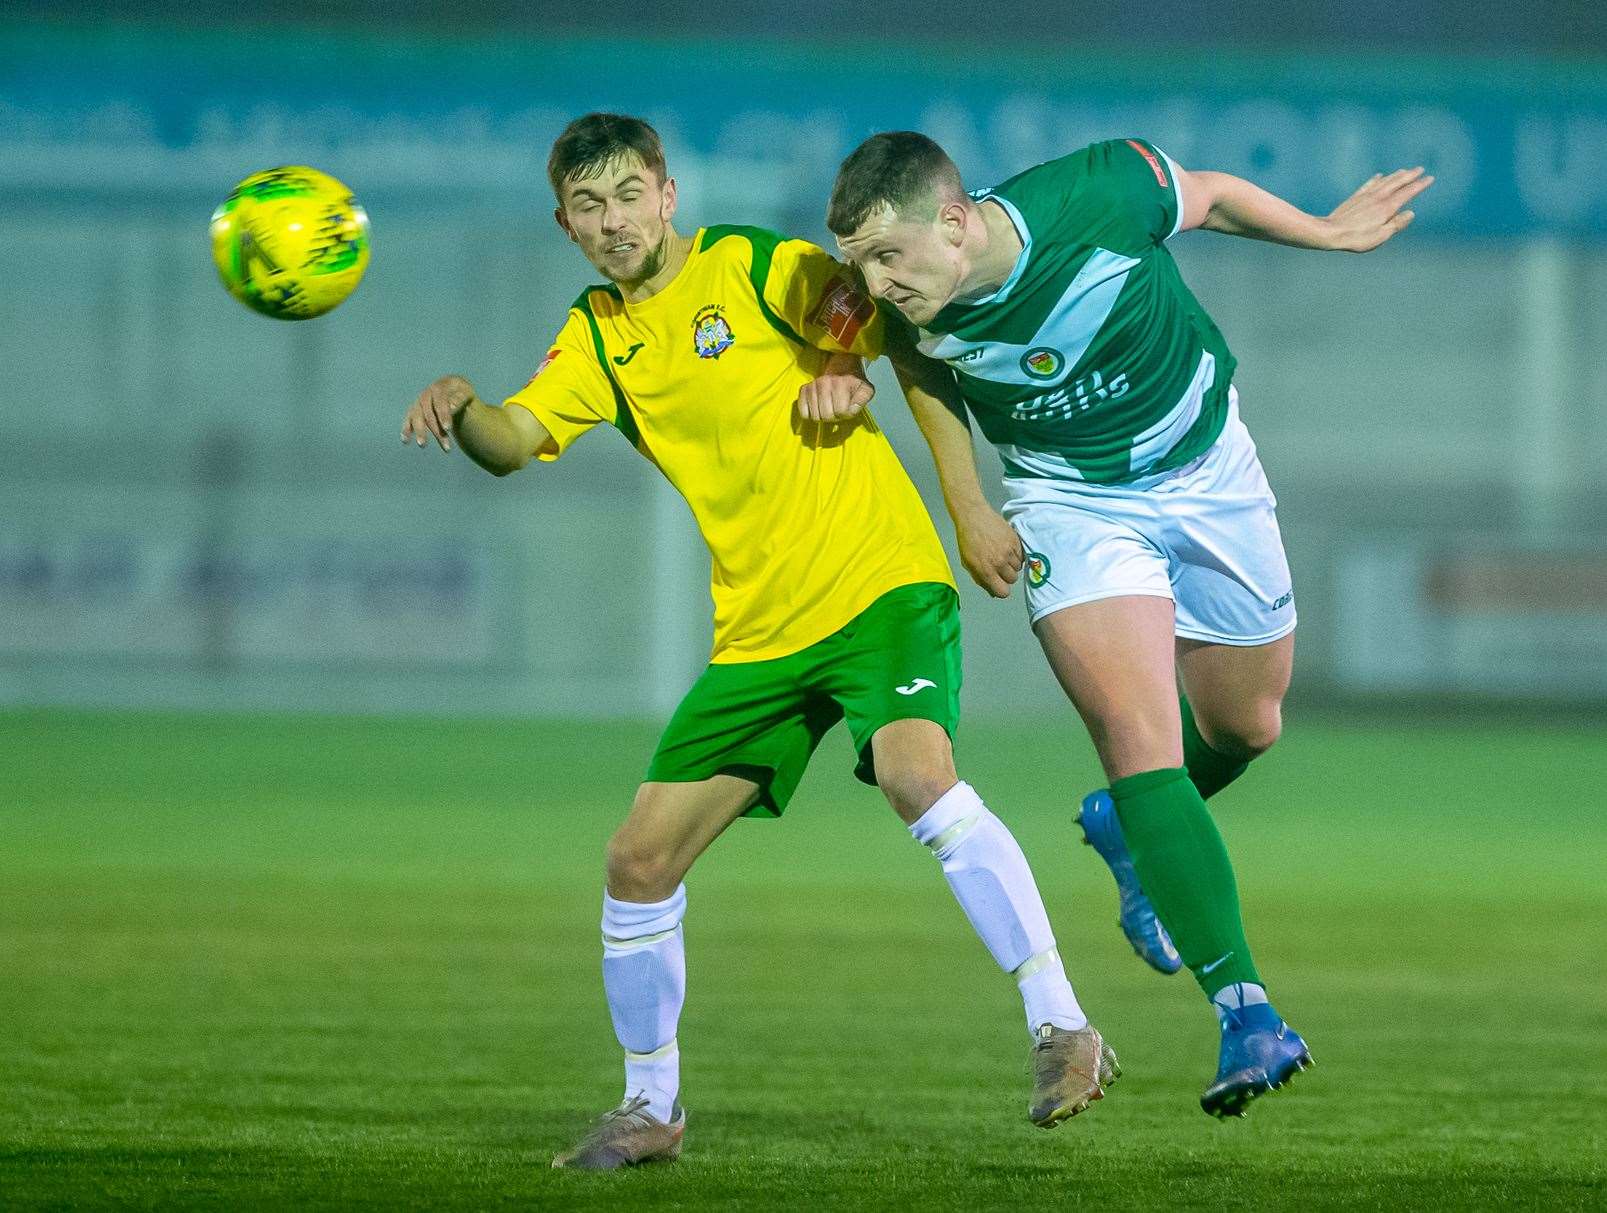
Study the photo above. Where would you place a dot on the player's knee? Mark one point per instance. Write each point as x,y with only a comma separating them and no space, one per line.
637,871
1252,735
914,765
911,790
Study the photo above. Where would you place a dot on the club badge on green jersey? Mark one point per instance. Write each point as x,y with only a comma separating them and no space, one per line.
711,334
1042,362
1037,569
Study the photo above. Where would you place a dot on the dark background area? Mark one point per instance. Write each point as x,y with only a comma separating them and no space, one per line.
1485,27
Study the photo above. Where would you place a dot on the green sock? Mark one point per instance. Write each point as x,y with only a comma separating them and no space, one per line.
1210,770
1185,870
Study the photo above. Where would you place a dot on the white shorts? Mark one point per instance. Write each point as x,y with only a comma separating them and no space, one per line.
1204,535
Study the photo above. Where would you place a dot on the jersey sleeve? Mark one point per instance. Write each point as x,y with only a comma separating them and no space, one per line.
569,393
1138,182
822,300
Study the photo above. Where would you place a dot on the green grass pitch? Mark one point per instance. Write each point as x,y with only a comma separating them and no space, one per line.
257,961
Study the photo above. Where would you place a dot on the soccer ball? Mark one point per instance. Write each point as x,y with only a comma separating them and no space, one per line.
290,242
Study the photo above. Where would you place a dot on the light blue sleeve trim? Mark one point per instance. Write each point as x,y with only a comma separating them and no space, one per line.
1177,192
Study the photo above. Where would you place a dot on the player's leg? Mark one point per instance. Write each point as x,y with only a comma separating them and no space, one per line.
983,863
737,744
1235,609
1083,556
644,961
1114,659
1233,706
1235,629
644,958
897,678
991,879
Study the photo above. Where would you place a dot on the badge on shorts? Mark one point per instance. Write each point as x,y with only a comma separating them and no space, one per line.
1037,569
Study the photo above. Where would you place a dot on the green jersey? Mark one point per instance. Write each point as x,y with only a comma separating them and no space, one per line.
1093,361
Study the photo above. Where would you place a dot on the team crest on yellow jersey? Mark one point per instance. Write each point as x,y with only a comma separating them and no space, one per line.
711,335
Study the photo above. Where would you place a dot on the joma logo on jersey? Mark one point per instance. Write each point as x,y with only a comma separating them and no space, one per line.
711,335
1043,362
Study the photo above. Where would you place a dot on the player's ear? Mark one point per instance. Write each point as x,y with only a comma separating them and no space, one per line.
563,222
668,203
951,219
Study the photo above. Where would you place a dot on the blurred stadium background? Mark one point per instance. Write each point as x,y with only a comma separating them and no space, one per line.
208,511
217,564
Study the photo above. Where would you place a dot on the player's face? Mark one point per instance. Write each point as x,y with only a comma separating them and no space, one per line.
620,218
913,263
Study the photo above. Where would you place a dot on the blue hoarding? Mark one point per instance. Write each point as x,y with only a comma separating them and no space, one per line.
1517,148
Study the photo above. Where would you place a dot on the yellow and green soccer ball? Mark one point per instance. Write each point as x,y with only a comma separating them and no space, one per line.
290,242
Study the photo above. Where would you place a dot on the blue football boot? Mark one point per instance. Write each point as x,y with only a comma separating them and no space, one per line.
1103,832
1259,1054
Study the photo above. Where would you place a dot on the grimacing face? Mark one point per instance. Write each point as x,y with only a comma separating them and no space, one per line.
620,218
911,261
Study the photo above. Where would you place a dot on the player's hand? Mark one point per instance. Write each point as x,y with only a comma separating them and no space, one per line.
990,550
432,413
1376,212
837,394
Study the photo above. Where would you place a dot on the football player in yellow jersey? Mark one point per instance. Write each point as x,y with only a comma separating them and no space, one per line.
716,355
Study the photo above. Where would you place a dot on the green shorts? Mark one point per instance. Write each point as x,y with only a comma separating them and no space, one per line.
898,659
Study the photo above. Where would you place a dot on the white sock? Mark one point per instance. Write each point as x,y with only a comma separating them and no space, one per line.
990,878
657,1076
1239,995
1047,993
644,976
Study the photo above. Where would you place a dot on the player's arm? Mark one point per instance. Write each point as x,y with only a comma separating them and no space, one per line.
990,549
501,440
568,396
1221,202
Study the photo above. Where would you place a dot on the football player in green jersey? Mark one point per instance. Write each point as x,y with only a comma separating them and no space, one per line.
1137,504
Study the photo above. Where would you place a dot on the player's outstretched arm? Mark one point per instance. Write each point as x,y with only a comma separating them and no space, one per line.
499,440
990,549
1221,202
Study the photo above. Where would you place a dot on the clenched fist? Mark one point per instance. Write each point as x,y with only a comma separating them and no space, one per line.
838,394
990,550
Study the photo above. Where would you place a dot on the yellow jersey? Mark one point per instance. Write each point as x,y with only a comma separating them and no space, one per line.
807,523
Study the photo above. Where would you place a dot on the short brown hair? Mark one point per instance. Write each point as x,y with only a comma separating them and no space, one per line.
894,168
592,142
